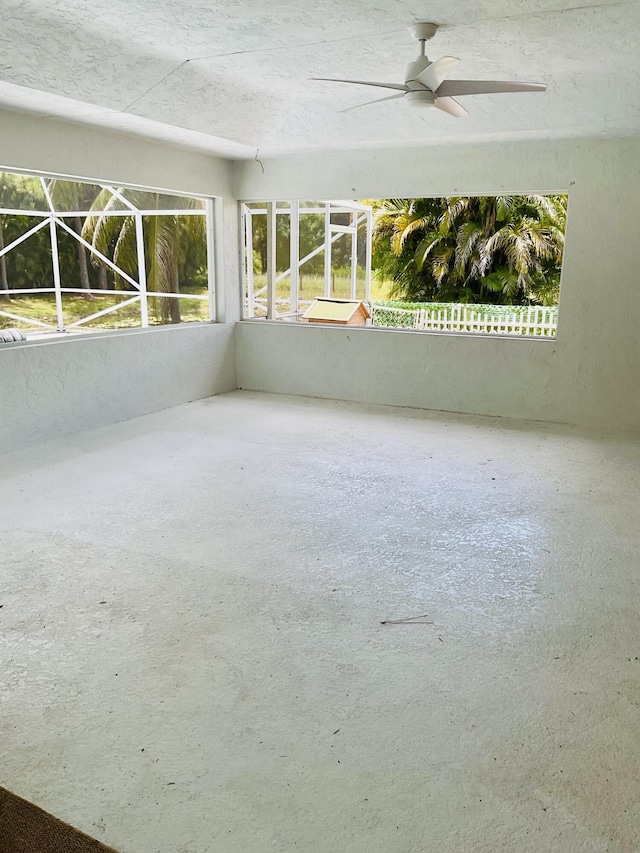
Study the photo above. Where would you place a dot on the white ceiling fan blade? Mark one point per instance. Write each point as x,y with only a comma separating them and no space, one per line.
486,87
377,101
438,71
448,105
399,86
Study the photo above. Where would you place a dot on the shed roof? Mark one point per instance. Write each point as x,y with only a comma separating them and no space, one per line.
334,309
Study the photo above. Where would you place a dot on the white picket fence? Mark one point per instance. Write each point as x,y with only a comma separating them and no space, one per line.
534,320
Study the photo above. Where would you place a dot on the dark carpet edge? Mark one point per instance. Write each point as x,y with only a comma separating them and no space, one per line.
26,828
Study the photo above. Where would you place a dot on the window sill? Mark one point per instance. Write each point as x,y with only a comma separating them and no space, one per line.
413,332
50,338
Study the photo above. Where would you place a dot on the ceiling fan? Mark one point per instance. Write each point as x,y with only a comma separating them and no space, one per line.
426,84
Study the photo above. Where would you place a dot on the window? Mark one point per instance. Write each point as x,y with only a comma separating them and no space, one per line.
483,264
295,251
78,257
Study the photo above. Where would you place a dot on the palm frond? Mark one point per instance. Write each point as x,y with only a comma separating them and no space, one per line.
425,247
468,236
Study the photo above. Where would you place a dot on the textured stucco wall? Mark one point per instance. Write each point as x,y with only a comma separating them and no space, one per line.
52,145
59,387
56,389
448,372
589,375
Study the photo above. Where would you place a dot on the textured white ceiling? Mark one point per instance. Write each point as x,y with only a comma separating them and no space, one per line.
231,76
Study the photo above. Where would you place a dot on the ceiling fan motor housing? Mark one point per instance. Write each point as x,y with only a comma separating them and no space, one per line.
420,98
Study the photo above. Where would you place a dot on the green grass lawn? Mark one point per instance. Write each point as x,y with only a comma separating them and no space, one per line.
75,307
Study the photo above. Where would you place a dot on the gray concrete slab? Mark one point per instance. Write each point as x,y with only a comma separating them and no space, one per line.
193,657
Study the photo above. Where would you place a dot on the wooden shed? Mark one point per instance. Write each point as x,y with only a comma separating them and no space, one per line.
343,312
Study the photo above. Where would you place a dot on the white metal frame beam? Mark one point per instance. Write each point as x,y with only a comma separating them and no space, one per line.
271,260
294,258
26,235
327,249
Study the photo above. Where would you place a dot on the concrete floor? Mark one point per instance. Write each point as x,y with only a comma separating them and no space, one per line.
192,655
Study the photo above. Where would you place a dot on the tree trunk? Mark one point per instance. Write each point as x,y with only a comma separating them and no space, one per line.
174,303
4,284
102,277
85,284
175,310
170,305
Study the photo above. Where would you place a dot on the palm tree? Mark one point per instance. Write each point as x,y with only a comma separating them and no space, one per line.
472,249
73,195
115,237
